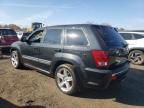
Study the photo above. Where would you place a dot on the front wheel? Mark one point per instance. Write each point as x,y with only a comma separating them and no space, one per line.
15,60
66,79
136,57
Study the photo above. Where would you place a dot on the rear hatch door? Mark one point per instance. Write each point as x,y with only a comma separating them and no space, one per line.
116,46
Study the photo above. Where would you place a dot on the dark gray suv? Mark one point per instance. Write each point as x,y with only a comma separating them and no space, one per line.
80,55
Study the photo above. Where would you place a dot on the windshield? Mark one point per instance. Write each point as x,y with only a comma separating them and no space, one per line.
7,32
110,36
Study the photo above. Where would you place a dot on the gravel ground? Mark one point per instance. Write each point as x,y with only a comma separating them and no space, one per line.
30,89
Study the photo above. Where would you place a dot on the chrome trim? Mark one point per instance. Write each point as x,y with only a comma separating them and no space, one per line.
44,61
34,67
47,62
30,58
93,83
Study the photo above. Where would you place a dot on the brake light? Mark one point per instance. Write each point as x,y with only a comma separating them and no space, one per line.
101,58
2,39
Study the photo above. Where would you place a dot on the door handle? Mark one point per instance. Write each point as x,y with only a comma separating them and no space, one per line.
58,50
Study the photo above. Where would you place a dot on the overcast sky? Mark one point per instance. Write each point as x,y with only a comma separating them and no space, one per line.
128,14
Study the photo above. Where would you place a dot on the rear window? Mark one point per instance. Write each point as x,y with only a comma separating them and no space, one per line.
7,32
110,36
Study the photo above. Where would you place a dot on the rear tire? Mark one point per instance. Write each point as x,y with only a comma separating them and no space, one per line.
136,57
66,79
15,60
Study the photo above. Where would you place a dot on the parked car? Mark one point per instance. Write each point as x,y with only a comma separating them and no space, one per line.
136,46
81,55
7,37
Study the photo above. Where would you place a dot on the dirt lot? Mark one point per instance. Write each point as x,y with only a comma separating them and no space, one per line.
22,88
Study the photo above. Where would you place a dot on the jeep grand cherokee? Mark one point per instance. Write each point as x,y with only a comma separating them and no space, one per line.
80,55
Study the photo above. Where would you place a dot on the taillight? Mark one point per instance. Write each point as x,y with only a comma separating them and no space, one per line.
101,58
2,39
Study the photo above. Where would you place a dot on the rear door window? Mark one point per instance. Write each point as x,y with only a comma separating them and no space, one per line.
75,37
127,36
110,36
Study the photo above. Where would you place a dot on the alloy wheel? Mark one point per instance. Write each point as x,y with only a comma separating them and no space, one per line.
136,58
14,58
64,79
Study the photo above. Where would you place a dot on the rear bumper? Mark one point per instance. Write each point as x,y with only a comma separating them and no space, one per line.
5,49
96,78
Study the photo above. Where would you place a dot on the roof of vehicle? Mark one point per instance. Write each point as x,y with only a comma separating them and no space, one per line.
78,25
133,32
136,30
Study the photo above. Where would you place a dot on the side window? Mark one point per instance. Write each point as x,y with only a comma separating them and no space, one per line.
53,36
126,36
37,36
75,37
137,36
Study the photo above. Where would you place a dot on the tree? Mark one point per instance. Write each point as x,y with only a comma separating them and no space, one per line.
14,27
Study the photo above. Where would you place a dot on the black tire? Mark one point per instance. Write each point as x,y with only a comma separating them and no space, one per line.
19,64
74,86
136,57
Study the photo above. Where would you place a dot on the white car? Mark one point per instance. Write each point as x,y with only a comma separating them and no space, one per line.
135,42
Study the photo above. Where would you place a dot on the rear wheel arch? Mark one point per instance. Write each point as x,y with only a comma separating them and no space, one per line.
58,63
75,64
